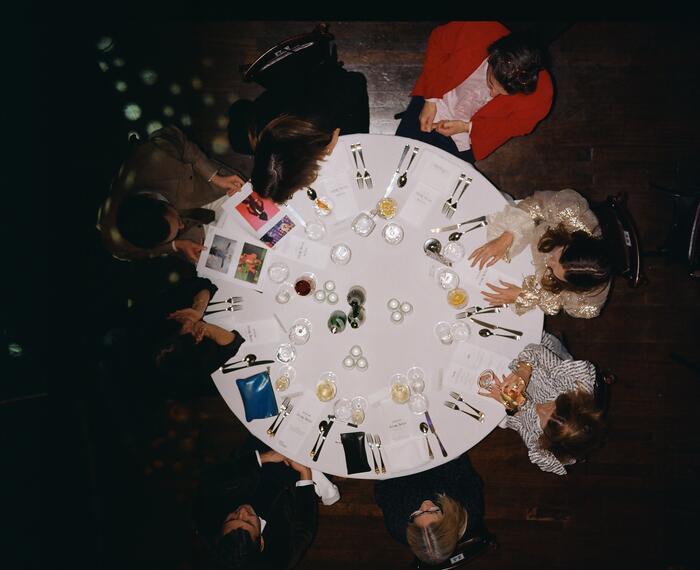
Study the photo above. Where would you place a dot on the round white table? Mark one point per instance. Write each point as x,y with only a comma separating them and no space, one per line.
385,271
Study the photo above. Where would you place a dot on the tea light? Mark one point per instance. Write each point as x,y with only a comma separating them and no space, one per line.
362,363
348,362
396,317
329,286
332,297
393,304
320,295
406,307
356,351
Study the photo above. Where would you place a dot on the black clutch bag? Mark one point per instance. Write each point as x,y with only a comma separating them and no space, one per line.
355,452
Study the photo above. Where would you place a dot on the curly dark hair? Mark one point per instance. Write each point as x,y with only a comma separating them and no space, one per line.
516,61
287,155
585,260
141,220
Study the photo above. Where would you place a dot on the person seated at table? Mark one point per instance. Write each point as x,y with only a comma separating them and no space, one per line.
560,421
155,203
479,87
179,346
257,509
433,510
291,129
571,260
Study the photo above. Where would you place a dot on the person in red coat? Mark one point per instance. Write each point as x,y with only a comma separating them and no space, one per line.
480,86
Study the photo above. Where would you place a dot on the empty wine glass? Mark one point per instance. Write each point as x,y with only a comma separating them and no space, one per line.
278,272
341,253
284,293
418,403
363,224
342,409
300,333
460,331
315,229
454,251
393,234
443,331
447,278
416,379
286,353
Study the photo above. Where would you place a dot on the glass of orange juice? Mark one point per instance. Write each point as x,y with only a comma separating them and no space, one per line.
457,297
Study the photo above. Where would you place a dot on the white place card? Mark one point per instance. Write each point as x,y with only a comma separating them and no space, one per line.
259,332
341,192
438,172
306,414
304,251
398,418
419,204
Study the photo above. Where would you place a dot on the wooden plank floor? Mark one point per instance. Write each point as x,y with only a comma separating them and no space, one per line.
626,109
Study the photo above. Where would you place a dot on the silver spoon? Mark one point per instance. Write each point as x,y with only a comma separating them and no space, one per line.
404,177
454,236
424,430
321,428
248,358
487,333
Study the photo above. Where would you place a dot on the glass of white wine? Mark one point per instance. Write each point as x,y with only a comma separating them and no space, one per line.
285,377
400,390
326,388
359,407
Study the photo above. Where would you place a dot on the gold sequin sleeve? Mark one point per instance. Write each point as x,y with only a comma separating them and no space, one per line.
567,207
578,305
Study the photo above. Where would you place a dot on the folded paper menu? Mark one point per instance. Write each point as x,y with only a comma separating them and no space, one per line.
304,251
306,414
265,331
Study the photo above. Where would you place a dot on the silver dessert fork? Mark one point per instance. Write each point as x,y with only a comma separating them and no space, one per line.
378,443
448,203
367,178
283,407
288,411
370,441
459,398
358,175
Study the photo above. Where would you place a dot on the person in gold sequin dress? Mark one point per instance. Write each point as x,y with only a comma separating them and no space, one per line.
572,267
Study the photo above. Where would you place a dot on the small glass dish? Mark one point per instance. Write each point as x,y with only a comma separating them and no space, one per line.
447,278
443,330
418,403
387,208
341,253
363,224
278,272
323,206
300,333
286,353
454,251
315,229
285,377
392,234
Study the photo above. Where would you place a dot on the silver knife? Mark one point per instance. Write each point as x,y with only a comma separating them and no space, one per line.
323,440
432,429
494,327
459,225
256,363
398,169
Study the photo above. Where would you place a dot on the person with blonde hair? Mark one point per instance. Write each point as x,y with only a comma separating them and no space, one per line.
433,510
560,420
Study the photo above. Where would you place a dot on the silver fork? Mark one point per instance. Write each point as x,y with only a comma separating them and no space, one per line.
448,203
288,411
283,407
367,178
459,398
358,175
378,443
453,206
455,407
370,441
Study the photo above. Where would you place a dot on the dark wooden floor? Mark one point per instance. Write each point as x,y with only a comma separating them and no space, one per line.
626,110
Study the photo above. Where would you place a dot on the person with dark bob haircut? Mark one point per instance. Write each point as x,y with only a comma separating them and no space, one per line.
432,511
257,509
559,421
571,259
480,86
291,128
155,203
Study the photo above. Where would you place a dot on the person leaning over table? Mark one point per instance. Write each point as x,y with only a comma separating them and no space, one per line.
571,260
479,87
257,509
291,129
560,421
433,510
155,203
179,346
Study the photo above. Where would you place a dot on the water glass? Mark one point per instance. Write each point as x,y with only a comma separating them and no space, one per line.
300,333
341,253
443,331
363,224
286,353
447,279
392,234
315,229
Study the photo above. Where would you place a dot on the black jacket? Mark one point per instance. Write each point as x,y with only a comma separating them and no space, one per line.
290,511
400,497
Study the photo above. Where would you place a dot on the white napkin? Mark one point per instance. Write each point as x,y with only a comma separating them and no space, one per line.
407,453
324,488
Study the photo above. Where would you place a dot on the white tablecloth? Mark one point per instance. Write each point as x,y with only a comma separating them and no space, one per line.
385,271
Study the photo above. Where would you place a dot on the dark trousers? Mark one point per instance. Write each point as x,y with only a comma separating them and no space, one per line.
410,128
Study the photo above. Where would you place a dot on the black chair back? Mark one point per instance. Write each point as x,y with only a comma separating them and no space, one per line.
620,233
288,61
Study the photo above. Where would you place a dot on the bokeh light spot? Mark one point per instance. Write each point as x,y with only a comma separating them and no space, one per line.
118,62
186,120
14,350
232,98
175,88
132,112
208,99
220,144
129,303
105,44
174,277
149,77
153,126
208,62
103,65
168,111
196,83
121,86
222,121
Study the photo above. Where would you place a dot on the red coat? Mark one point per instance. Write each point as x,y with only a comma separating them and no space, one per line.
454,52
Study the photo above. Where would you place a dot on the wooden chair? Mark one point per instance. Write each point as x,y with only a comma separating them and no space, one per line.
290,59
465,552
620,232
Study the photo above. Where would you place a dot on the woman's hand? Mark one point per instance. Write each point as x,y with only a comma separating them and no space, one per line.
189,249
427,116
449,128
184,315
272,457
491,251
199,331
231,184
495,390
502,295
